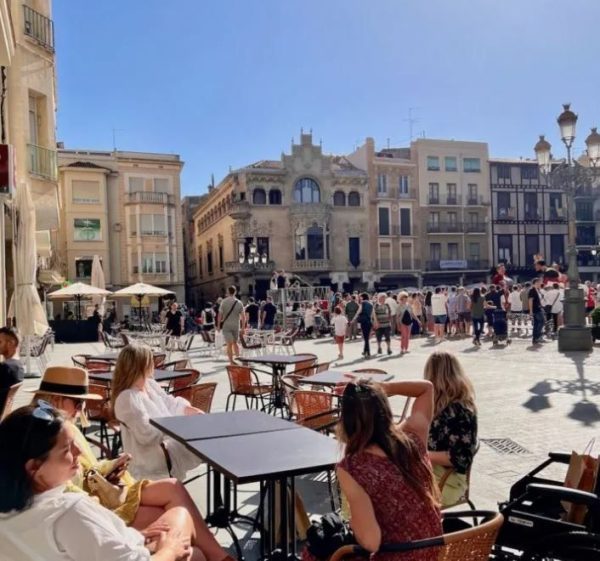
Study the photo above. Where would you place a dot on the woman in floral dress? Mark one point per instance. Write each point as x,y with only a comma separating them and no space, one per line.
453,434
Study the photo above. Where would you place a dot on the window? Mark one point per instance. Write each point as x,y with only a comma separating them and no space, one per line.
259,197
452,220
472,190
353,198
529,172
307,191
406,256
473,218
83,267
274,197
471,165
87,230
503,171
262,246
452,198
532,247
505,248
452,251
434,218
339,198
403,185
586,235
557,248
160,263
209,262
405,222
147,263
354,251
200,268
33,120
85,192
153,225
433,163
503,205
384,221
474,252
381,184
385,256
136,184
312,243
450,163
555,203
434,193
435,251
531,206
584,210
221,263
161,185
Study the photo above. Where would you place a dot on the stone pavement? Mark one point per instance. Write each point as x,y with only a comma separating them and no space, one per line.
540,399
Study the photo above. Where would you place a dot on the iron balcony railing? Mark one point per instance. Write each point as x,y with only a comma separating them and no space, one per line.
42,162
444,227
475,200
150,197
457,265
475,227
39,28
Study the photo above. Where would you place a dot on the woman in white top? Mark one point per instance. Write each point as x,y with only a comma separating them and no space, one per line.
136,398
38,520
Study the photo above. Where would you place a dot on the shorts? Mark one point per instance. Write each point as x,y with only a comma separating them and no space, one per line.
231,335
464,316
339,339
440,319
383,332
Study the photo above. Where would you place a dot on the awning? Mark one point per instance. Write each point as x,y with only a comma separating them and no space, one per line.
45,197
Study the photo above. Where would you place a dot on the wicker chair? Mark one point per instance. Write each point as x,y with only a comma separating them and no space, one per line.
250,346
98,365
79,360
181,364
473,544
200,395
466,498
369,371
11,392
306,367
322,366
243,382
314,409
101,412
192,376
159,360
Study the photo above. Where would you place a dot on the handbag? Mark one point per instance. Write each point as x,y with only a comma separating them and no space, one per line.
582,475
110,495
326,536
548,307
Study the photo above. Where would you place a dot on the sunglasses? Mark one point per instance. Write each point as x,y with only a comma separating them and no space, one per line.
43,412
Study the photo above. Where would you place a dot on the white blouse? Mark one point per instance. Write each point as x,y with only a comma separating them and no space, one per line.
134,408
68,527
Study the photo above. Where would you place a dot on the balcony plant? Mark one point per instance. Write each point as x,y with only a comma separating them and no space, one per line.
595,317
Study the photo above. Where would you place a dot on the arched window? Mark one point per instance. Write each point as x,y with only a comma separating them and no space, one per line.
339,198
274,197
353,199
307,190
259,197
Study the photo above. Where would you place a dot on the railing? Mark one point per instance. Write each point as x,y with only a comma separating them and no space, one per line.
506,214
444,227
475,200
39,28
239,209
453,200
150,197
456,265
475,227
410,194
397,231
237,267
150,233
310,265
42,162
533,216
586,240
398,264
433,199
300,294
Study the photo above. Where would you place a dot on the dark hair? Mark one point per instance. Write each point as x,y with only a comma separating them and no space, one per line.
11,333
428,298
476,294
364,296
366,419
231,290
337,310
23,437
437,289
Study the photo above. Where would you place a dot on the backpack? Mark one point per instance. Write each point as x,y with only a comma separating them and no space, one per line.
208,314
406,318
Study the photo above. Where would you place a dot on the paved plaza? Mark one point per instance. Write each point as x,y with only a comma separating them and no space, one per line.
538,398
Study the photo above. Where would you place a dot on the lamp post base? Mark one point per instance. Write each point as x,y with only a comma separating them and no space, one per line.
572,338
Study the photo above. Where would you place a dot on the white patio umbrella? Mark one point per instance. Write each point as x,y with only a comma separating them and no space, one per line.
98,282
25,305
78,291
139,290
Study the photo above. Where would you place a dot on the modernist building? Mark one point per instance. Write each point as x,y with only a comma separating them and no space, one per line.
454,215
529,217
307,213
123,207
188,208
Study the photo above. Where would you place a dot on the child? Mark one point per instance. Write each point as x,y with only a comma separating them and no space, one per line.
340,324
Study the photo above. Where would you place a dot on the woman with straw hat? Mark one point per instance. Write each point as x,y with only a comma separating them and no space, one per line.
144,503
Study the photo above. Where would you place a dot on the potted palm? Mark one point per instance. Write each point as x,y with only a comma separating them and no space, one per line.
595,317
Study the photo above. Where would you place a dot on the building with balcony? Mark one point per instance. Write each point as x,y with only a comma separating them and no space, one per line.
188,208
529,217
453,201
123,207
306,213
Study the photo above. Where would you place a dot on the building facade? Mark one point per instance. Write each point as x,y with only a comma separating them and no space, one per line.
307,213
123,207
188,208
529,217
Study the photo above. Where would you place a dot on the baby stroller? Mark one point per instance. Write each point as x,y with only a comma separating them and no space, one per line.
500,326
535,527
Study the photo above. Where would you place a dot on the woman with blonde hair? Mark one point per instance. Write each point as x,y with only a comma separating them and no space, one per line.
453,434
137,397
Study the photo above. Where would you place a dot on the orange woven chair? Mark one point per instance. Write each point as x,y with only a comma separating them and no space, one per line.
473,544
101,412
181,364
10,399
159,360
79,361
184,382
314,409
322,366
200,395
243,382
369,371
98,365
305,367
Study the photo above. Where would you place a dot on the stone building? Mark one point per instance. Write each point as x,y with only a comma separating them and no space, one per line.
188,208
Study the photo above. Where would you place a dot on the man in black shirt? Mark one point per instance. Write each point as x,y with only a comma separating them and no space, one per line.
536,310
175,320
269,312
11,370
252,313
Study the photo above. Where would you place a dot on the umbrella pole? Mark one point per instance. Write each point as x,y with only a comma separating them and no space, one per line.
27,345
140,297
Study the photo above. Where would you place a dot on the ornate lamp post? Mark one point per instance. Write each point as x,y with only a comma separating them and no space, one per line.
571,176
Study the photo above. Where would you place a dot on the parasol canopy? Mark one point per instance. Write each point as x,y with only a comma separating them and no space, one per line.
78,291
98,282
142,289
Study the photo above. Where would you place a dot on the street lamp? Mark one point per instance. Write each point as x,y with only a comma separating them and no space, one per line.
570,175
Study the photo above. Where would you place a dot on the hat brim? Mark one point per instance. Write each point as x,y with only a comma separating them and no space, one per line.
86,396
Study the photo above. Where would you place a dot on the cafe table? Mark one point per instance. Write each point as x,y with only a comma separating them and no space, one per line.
159,375
114,355
334,377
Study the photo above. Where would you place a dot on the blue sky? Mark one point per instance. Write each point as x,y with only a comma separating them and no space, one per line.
225,83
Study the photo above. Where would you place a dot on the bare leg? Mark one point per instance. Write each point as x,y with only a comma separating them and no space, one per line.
236,349
230,352
161,497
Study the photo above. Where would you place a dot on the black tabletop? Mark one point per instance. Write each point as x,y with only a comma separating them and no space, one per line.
277,359
218,425
159,375
268,455
114,355
333,377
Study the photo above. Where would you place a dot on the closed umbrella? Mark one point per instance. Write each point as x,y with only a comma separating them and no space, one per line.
141,290
78,291
25,305
98,282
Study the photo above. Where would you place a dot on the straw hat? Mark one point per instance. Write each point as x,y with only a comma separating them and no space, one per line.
66,381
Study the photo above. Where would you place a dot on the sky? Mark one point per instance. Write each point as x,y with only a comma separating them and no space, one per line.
226,83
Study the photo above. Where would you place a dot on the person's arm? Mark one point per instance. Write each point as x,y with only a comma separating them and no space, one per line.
530,305
182,323
362,515
176,405
358,312
243,318
130,412
421,414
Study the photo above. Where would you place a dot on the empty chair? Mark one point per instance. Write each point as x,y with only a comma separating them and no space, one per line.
98,365
306,367
284,342
192,376
111,342
314,409
244,382
199,395
159,360
11,392
79,361
181,364
322,367
250,347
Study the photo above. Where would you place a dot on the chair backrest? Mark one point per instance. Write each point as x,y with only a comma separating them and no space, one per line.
369,371
308,403
185,381
79,360
10,398
322,367
125,338
202,396
159,360
188,344
239,377
305,367
99,409
181,364
98,365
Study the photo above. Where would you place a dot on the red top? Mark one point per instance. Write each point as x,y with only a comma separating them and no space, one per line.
401,513
497,278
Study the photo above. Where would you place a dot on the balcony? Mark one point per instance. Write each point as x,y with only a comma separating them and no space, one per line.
457,265
394,230
39,28
42,162
433,199
235,267
475,200
410,194
475,228
138,197
532,216
150,233
453,200
444,227
506,214
558,214
310,265
239,210
398,264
